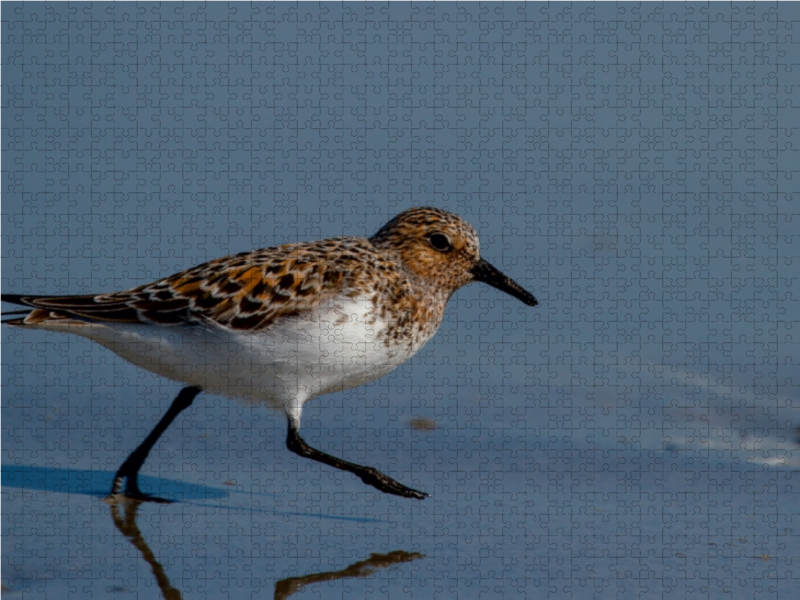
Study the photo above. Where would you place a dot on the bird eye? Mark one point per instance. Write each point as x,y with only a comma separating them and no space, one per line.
439,242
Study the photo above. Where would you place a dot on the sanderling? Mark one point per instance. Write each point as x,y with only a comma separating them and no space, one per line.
283,325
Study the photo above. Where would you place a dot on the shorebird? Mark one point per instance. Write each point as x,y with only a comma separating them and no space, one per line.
283,325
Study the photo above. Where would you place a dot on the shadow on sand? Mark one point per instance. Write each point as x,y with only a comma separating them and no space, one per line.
98,483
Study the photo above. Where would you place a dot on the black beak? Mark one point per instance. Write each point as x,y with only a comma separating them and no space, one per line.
486,273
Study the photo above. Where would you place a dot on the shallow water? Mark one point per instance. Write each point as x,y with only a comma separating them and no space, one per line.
528,495
634,436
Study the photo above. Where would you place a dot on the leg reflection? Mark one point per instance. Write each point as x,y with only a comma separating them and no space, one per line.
291,585
127,526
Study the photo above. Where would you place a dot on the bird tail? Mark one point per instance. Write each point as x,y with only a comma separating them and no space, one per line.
33,313
14,299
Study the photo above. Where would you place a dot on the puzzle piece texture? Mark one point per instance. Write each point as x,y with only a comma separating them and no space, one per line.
637,166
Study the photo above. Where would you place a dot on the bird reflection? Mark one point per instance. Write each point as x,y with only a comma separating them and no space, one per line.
126,524
128,527
291,585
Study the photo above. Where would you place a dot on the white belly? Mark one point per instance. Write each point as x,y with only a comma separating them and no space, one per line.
291,362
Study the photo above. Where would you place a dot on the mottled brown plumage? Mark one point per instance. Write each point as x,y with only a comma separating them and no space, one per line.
394,270
283,325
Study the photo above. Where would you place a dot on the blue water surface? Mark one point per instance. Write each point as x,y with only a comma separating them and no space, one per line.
633,165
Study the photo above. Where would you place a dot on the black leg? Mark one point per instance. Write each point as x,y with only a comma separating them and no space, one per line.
368,475
130,468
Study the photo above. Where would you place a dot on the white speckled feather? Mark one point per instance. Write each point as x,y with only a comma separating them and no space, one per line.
292,362
283,325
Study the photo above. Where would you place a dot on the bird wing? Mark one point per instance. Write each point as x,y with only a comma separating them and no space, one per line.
247,291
